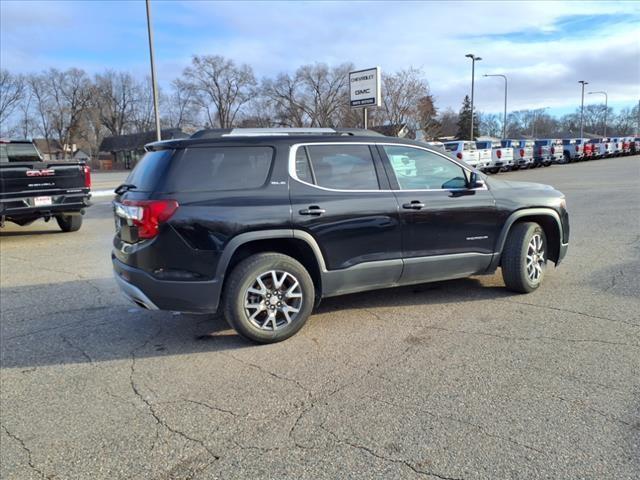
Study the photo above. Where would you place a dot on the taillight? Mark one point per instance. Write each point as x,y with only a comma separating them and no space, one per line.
539,150
87,176
499,154
606,145
459,155
148,215
577,148
522,152
553,150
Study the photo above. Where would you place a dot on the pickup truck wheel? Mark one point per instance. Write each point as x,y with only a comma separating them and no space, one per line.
567,157
69,223
524,257
268,297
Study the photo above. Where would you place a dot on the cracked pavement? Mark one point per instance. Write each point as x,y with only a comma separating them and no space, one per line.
452,380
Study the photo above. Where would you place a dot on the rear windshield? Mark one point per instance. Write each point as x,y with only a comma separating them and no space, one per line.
148,171
19,152
451,147
219,168
483,144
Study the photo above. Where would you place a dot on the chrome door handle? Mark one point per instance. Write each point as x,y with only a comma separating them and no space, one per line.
414,205
312,210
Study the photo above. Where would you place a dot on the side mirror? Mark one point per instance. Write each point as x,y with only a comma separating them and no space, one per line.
475,181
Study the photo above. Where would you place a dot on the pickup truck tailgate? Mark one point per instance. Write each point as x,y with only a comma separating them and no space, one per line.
40,178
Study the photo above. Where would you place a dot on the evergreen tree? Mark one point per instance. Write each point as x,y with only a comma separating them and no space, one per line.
464,121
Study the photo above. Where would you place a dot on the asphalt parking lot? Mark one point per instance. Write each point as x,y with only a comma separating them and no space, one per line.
453,380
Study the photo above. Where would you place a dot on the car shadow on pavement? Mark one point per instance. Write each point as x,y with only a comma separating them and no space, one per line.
90,322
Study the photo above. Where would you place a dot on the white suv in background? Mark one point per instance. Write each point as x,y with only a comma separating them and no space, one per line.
464,150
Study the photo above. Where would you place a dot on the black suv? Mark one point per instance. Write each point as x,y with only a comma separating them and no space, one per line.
264,223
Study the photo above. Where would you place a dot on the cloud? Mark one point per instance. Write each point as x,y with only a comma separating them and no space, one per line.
544,48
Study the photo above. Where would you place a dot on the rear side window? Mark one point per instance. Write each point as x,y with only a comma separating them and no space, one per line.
219,168
342,167
18,152
149,170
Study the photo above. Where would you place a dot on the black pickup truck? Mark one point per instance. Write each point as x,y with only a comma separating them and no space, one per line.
31,188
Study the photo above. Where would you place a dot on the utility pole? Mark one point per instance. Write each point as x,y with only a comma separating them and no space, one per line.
582,109
153,72
606,102
474,59
504,121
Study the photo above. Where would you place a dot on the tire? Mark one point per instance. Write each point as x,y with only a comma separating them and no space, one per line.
69,223
518,277
268,327
493,170
567,157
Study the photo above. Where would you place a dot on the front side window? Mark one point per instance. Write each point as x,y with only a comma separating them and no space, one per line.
417,169
341,167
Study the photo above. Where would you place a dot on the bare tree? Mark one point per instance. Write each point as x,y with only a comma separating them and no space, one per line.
490,124
324,90
181,110
69,95
284,95
12,91
220,86
42,105
401,93
115,98
142,115
448,122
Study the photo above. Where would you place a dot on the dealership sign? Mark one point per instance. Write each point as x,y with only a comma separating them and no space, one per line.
364,88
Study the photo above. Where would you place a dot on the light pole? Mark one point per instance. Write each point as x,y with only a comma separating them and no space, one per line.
606,102
154,87
474,59
582,109
504,121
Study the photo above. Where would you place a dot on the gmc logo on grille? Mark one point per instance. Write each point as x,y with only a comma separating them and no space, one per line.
40,173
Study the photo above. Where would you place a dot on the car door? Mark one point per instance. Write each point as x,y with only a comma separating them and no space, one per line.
340,195
448,229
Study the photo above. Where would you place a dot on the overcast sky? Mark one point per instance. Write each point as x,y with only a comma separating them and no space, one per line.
543,47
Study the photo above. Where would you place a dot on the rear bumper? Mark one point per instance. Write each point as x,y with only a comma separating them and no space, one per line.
24,207
153,294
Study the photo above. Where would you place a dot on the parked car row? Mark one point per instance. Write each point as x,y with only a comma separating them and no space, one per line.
493,156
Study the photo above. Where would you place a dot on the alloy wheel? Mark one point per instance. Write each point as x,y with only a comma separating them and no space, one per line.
274,300
535,258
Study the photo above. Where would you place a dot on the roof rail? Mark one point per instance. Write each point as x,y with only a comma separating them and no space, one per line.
263,132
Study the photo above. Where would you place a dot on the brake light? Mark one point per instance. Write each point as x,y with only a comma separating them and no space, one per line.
606,145
522,152
499,154
539,150
148,215
87,176
459,155
553,150
577,148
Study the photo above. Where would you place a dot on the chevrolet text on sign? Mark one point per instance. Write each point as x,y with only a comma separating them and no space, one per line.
364,87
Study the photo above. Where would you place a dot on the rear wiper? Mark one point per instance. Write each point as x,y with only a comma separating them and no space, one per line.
125,187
